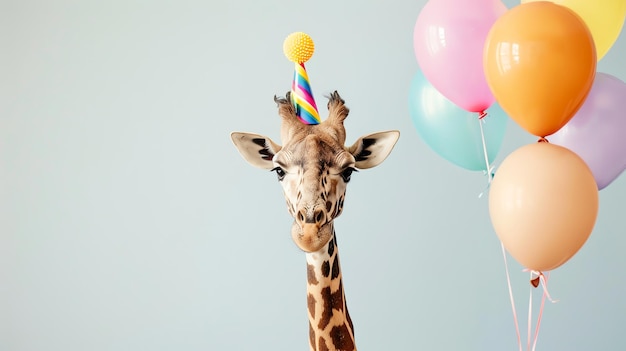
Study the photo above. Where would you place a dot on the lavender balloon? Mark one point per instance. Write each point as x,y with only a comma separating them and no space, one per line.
597,132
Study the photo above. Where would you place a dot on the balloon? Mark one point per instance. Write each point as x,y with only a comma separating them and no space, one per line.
604,18
448,38
543,204
540,63
597,133
452,132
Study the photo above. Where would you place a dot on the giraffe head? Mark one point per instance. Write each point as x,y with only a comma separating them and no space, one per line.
314,166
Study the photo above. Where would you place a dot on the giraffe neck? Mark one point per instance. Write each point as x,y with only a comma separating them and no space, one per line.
330,327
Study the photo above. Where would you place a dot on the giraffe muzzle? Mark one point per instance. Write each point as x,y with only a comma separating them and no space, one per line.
311,237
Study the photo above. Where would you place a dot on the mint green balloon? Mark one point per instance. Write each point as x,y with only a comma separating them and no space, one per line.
453,132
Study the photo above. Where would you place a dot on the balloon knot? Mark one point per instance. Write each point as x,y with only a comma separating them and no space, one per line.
535,282
482,114
541,279
543,140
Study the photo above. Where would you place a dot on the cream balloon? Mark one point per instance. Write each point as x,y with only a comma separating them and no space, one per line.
543,204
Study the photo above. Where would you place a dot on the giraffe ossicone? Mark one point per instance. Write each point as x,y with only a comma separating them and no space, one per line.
313,166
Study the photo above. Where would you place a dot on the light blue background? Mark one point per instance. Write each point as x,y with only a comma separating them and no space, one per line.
128,221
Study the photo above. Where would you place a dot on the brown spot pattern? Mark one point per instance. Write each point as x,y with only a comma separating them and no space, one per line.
325,268
331,246
310,274
336,298
327,309
323,346
349,320
335,269
311,304
340,336
330,301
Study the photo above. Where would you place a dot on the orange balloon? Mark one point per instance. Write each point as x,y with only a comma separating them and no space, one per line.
540,62
543,204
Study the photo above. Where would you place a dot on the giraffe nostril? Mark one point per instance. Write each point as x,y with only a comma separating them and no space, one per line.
319,216
314,217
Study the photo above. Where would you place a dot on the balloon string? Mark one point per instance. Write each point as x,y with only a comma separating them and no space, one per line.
540,278
508,282
481,116
537,278
535,281
530,313
543,301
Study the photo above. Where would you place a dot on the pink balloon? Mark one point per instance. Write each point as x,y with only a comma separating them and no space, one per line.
597,132
448,39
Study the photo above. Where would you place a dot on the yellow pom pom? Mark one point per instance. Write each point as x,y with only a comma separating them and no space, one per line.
298,47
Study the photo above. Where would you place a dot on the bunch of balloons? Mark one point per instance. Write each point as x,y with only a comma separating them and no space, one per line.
537,61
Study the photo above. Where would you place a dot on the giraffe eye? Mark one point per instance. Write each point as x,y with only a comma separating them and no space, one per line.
347,173
280,173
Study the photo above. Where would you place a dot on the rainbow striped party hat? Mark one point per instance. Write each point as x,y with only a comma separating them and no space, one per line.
299,47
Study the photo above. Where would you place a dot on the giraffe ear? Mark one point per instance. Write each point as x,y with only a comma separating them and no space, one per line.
257,149
371,150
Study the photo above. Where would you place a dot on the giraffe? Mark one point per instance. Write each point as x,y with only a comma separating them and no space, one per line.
313,166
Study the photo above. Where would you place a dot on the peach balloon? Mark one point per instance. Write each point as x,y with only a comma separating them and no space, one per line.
540,61
543,204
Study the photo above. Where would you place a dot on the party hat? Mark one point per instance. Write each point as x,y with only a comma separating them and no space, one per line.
299,47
